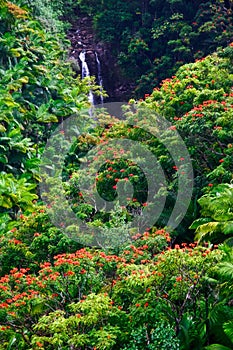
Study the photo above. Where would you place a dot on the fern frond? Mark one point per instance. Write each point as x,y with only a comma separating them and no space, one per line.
208,231
226,271
217,347
228,329
229,242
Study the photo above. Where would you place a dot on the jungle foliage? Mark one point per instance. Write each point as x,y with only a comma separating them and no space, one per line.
163,289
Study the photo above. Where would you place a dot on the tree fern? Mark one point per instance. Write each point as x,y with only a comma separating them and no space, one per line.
189,334
218,203
209,231
229,241
228,329
226,271
216,209
218,316
217,347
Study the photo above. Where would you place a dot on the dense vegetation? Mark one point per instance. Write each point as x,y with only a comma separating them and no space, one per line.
152,38
166,288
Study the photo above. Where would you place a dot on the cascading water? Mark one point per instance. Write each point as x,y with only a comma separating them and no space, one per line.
99,76
86,73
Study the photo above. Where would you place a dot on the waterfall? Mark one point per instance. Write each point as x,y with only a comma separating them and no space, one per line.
99,76
86,73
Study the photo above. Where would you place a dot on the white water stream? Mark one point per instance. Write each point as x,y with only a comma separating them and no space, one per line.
86,73
99,76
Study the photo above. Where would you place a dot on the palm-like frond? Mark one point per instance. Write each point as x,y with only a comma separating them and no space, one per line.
228,329
225,270
213,231
218,315
216,209
218,203
217,347
191,335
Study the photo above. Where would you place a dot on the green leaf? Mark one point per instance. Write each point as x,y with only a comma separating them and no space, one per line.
2,128
23,80
37,308
228,329
217,347
199,222
12,342
3,159
228,228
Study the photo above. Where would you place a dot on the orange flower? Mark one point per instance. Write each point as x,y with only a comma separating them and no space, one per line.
69,273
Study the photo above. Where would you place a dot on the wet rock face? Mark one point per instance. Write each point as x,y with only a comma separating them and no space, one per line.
82,37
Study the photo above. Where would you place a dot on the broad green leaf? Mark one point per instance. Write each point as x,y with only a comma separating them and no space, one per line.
217,347
199,222
2,128
228,329
23,80
3,159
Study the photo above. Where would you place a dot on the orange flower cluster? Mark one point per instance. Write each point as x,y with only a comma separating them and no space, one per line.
16,11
